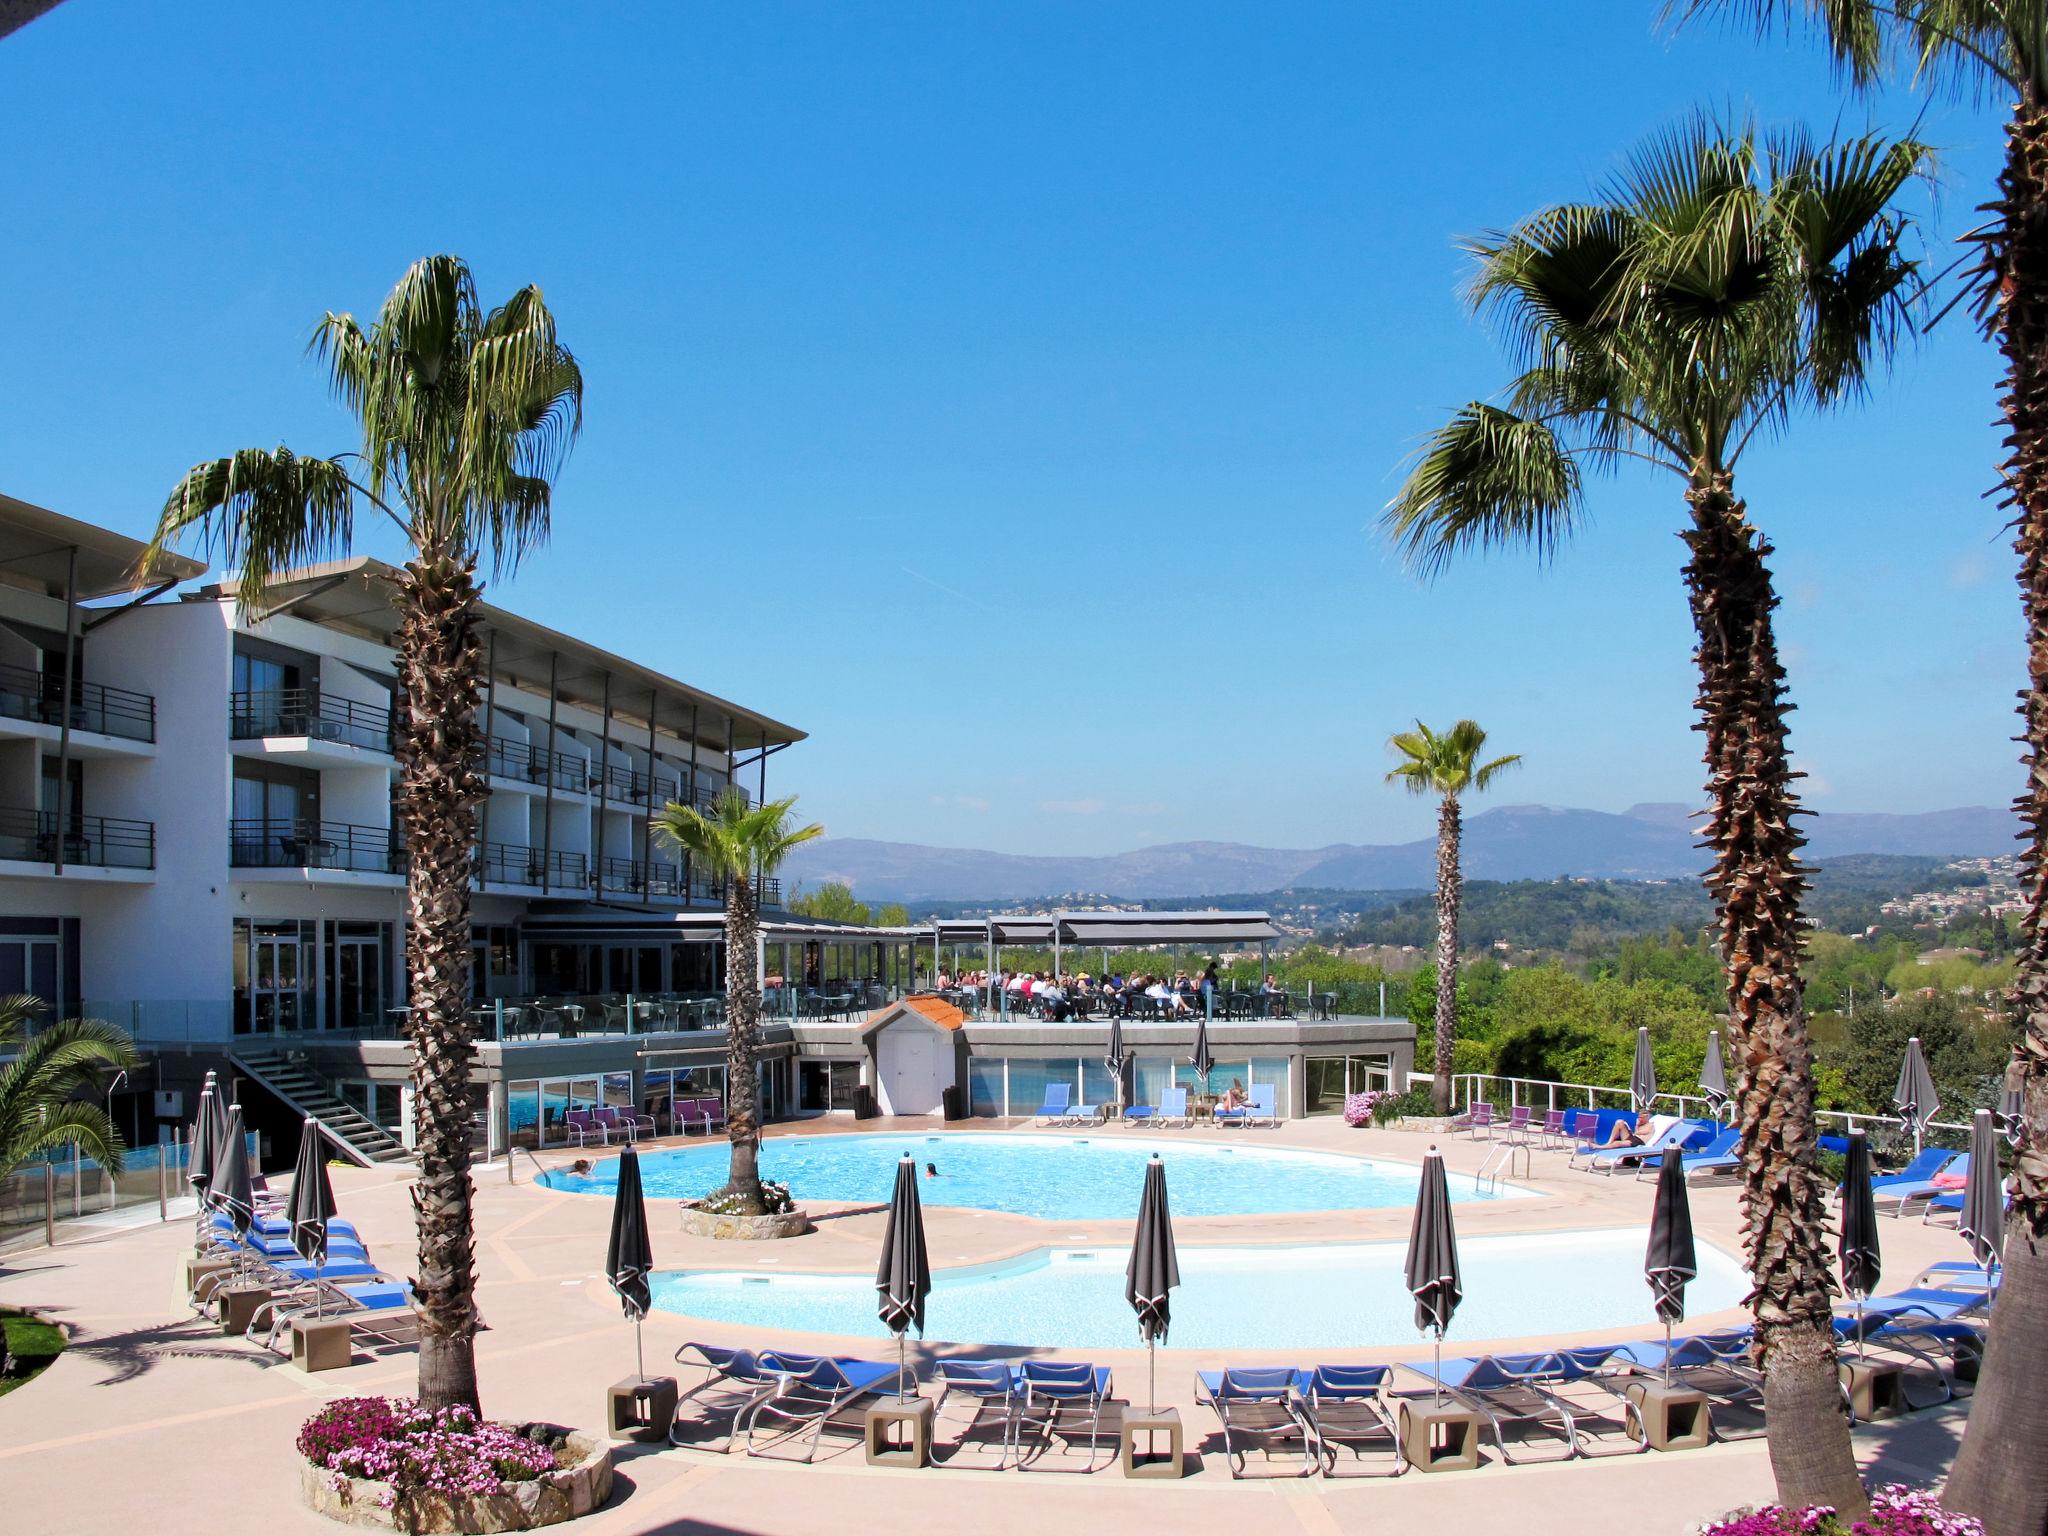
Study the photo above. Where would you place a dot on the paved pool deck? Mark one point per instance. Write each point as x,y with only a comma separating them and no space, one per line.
153,1422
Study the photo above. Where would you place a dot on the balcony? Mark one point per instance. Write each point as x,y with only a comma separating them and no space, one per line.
37,698
307,714
103,842
653,882
516,864
315,845
525,764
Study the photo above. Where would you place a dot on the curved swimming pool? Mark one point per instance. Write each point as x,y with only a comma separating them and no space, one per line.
1056,1178
1331,1296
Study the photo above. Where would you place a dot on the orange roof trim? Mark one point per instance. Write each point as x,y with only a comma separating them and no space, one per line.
938,1010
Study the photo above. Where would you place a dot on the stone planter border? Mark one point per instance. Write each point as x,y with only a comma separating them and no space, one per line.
698,1222
1434,1125
566,1494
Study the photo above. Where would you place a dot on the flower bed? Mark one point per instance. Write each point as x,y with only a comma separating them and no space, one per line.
1895,1510
390,1462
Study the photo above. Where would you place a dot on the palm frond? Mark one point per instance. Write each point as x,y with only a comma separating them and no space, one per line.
1489,477
1444,763
261,511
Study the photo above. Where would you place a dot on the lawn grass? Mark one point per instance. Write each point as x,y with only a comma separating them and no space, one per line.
34,1344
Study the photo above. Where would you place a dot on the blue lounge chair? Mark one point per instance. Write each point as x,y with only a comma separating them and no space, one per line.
1507,1392
1077,1112
1926,1163
1720,1155
1258,1106
1716,1365
1906,1193
1173,1106
1258,1407
733,1381
1608,1159
1345,1406
380,1309
807,1402
1061,1400
1054,1109
992,1388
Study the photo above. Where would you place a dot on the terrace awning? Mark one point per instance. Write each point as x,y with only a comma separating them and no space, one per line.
597,925
1115,930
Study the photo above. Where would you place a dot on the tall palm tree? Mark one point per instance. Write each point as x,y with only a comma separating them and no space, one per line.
1446,766
40,1107
2002,46
465,418
740,843
1719,283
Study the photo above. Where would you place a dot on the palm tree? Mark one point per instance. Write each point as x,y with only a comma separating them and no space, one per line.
2001,45
40,1107
465,418
1446,766
739,843
1719,283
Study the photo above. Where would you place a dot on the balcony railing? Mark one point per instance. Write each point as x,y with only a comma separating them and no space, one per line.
308,712
111,841
265,844
530,764
516,864
656,881
26,694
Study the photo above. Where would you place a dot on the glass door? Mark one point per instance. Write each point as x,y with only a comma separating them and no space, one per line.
29,967
276,993
358,982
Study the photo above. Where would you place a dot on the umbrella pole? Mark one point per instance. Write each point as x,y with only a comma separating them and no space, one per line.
1436,1368
1667,1353
1151,1376
639,1352
902,1368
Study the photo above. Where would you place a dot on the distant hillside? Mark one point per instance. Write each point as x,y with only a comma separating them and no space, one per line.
1504,843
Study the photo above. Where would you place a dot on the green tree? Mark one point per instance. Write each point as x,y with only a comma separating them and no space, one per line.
40,1088
465,417
740,844
1447,766
894,915
831,902
1966,1053
1721,282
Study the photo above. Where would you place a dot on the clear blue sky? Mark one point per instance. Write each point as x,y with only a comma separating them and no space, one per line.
1005,394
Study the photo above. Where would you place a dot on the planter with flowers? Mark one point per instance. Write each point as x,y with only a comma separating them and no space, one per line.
720,1216
386,1461
1895,1510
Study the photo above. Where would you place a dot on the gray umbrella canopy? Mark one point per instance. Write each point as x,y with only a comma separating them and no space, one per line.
1154,1269
903,1278
312,1206
230,1188
1672,1262
1714,1075
1433,1278
628,1255
1983,1219
1115,1058
2012,1112
199,1161
1203,1060
1915,1097
1862,1264
1642,1078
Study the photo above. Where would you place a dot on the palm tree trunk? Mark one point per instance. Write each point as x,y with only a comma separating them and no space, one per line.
439,665
2000,1475
742,1042
1756,882
1450,886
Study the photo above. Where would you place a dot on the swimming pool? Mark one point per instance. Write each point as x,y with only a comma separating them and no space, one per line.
1065,1178
1331,1296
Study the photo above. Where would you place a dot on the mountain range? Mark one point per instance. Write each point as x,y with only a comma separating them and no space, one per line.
1508,842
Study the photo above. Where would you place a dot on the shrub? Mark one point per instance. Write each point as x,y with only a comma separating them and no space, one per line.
1393,1106
1358,1107
775,1201
1895,1510
418,1450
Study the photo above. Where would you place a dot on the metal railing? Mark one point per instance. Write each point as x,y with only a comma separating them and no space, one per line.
1547,1094
260,843
27,694
517,864
108,841
529,764
310,713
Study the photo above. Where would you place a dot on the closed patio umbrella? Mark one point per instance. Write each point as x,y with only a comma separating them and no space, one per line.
1857,1249
1714,1076
2012,1112
1671,1261
1432,1272
1983,1219
1153,1272
1203,1060
1642,1078
231,1189
903,1279
312,1204
1115,1059
1915,1097
199,1151
629,1256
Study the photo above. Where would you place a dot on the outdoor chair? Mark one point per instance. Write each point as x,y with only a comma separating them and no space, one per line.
1344,1407
1517,1126
1507,1392
1173,1107
1908,1194
579,1124
733,1380
828,1394
1608,1159
1591,1391
1256,1406
1722,1155
616,1122
1054,1109
991,1389
353,1300
1716,1365
1551,1132
1258,1106
1065,1401
1478,1117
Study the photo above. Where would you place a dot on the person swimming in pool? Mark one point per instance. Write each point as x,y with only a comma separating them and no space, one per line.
580,1168
931,1170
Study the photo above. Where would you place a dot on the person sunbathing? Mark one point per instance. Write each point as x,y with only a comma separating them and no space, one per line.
1625,1133
1233,1098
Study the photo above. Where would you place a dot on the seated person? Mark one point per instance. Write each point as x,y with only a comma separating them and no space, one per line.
1233,1097
1625,1133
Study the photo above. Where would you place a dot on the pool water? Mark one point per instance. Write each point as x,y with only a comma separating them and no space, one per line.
1332,1296
1060,1178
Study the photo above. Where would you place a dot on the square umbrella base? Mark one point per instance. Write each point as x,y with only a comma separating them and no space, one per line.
1876,1388
640,1407
1439,1438
1139,1447
238,1304
898,1432
1675,1418
322,1344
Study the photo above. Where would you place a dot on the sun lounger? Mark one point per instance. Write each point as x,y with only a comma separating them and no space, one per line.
1076,1113
733,1380
1905,1194
358,1302
1054,1109
804,1405
1258,1408
1926,1163
1609,1159
1958,1274
991,1388
1590,1385
1344,1406
1715,1364
1067,1401
1506,1391
1719,1157
1173,1108
1258,1106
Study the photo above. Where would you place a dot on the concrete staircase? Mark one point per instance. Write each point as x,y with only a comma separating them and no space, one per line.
289,1080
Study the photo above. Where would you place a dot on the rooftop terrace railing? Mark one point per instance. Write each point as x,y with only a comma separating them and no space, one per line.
26,694
112,842
261,843
517,864
310,713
